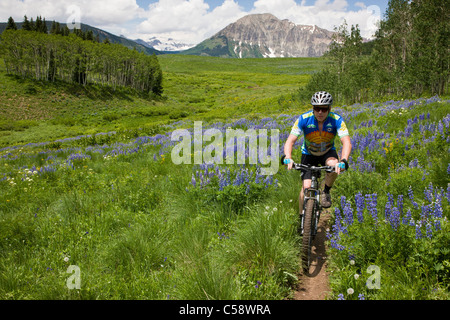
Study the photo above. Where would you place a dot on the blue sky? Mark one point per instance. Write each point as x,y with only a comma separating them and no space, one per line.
192,21
248,4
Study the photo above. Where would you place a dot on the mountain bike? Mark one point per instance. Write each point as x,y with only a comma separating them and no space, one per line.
310,214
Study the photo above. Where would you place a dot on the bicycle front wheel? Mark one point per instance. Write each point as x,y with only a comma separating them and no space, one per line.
307,234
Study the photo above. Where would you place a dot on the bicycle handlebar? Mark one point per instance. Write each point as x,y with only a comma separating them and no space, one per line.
299,166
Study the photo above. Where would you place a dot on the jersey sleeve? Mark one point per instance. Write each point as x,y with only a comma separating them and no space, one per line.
342,128
296,130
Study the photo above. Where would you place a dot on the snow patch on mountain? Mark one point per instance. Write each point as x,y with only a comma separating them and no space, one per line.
168,44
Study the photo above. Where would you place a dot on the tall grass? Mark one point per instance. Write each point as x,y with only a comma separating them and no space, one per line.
140,227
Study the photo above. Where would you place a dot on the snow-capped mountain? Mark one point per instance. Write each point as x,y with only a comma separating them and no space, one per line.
264,35
165,44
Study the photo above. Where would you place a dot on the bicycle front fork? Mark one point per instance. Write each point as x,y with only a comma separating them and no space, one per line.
302,219
316,222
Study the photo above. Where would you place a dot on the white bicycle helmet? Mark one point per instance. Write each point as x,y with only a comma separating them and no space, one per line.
321,98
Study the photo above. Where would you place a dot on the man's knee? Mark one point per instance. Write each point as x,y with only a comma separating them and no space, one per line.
306,184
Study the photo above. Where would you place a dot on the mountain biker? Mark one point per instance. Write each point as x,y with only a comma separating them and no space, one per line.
319,126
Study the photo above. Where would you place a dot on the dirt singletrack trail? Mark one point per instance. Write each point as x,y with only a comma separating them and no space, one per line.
314,285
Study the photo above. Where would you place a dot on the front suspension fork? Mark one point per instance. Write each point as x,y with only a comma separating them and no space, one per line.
317,212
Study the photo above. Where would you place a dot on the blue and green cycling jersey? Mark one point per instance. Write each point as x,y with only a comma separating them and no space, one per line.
318,142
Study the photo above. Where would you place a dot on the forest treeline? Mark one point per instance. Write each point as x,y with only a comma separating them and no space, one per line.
77,58
409,56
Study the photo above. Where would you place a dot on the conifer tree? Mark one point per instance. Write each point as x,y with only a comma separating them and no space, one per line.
26,24
32,25
44,28
65,30
11,24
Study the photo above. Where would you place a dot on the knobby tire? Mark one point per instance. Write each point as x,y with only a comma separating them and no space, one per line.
307,235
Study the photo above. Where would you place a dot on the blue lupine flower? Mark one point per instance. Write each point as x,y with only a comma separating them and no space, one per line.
337,224
371,201
341,296
394,219
343,198
400,203
425,212
359,200
437,225
418,231
387,211
414,163
348,213
437,210
390,199
429,230
429,193
411,198
407,218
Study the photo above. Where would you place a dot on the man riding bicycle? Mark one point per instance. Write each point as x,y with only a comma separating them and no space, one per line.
319,126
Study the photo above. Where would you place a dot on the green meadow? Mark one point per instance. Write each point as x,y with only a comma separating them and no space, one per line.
201,88
87,180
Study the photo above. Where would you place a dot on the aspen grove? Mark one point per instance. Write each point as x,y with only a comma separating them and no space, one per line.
48,57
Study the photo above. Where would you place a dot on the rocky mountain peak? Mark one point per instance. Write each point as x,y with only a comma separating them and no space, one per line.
264,35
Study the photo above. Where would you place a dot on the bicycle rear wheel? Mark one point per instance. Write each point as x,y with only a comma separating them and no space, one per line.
307,234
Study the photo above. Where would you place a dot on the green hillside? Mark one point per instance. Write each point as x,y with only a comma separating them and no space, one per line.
214,47
203,88
102,35
221,46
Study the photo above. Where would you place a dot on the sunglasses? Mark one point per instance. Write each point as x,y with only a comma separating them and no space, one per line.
318,109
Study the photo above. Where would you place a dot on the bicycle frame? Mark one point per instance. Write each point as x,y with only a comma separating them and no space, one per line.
313,193
310,211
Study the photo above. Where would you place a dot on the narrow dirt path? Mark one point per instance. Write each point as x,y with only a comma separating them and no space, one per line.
315,285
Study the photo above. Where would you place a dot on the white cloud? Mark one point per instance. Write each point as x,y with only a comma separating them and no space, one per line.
173,15
189,21
270,6
98,13
192,19
324,13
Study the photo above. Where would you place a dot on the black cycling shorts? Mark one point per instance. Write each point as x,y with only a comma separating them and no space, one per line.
309,159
